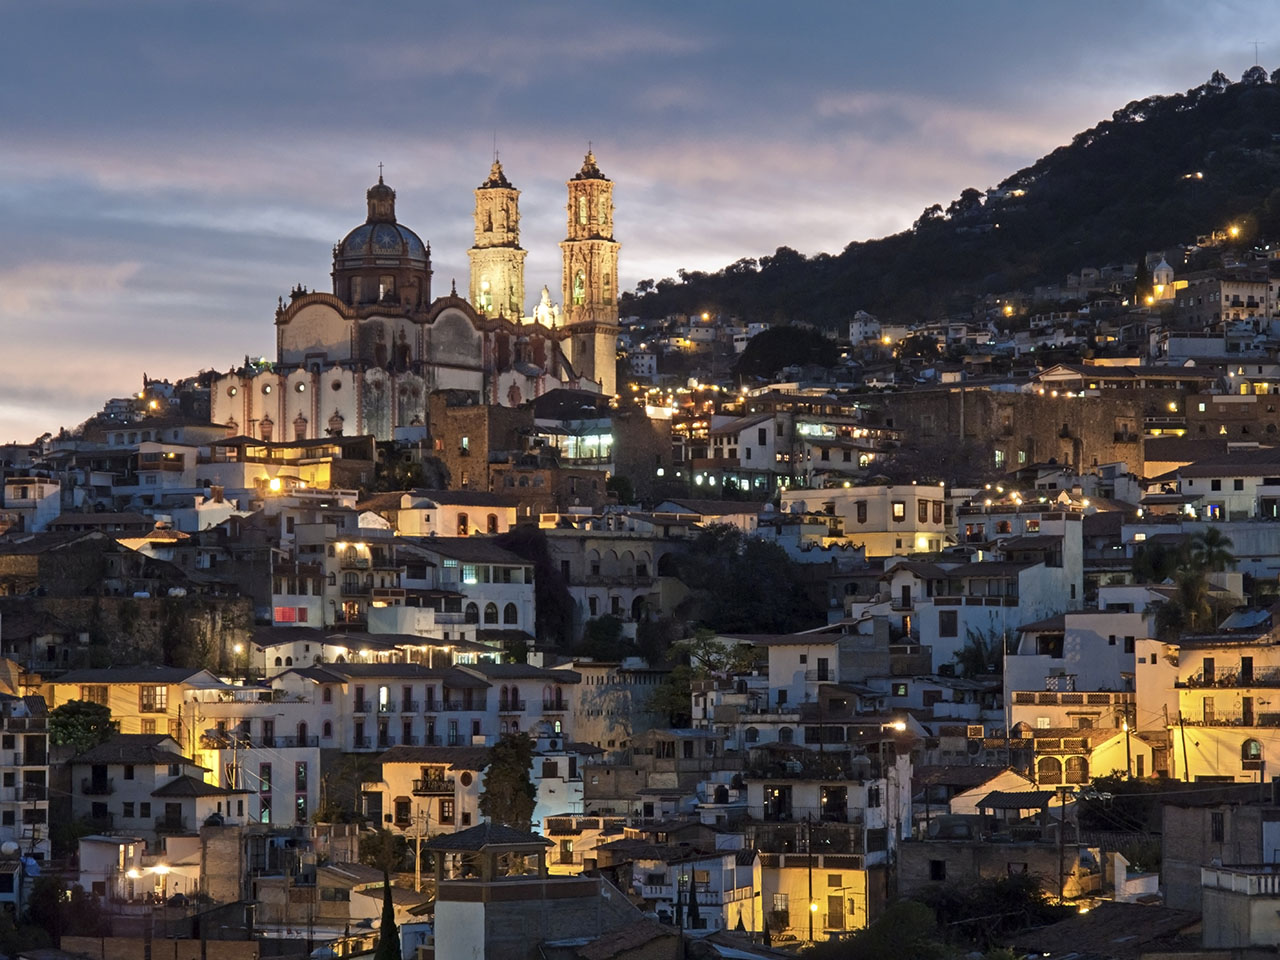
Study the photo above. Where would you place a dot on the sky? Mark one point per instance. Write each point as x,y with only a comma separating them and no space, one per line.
168,169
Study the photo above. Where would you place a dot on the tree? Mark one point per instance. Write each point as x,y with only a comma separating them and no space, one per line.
384,850
905,929
743,584
80,724
1189,609
1211,550
982,655
785,346
388,932
340,787
509,796
553,607
602,638
703,657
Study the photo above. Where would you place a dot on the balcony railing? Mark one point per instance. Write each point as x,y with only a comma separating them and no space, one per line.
554,706
511,706
171,824
458,705
388,707
819,676
408,706
431,785
97,788
361,706
361,743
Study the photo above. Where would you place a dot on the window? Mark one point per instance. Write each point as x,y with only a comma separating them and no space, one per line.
948,623
463,526
510,615
490,613
861,511
128,771
1215,485
94,694
446,811
128,810
264,778
922,511
147,726
899,510
153,698
1217,827
937,870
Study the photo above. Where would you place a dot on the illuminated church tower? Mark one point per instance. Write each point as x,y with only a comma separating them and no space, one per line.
497,261
590,279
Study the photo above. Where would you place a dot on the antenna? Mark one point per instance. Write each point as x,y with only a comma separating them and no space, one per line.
1256,44
495,146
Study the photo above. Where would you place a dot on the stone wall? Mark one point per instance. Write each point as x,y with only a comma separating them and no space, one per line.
1026,427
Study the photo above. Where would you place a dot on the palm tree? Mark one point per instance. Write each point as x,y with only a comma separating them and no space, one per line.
1211,550
1189,609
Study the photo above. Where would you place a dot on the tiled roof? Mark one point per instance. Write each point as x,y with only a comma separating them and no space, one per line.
1016,800
471,550
459,758
187,786
134,748
140,674
487,835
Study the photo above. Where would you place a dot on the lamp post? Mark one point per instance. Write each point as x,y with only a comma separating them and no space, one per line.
891,818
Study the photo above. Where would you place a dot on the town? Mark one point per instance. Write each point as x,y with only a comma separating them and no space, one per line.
497,624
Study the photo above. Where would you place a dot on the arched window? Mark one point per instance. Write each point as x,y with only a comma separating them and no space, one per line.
472,613
1251,754
502,727
515,698
547,698
580,286
510,615
1049,770
279,662
463,528
349,556
302,734
491,523
327,730
752,734
288,661
721,793
1077,770
582,211
490,613
785,735
557,728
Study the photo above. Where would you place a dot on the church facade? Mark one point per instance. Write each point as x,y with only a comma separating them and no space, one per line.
365,358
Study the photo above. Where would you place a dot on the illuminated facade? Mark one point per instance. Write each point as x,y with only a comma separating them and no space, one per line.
363,359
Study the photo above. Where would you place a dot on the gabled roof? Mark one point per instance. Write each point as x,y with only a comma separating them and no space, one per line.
713,508
140,749
459,758
139,674
520,671
187,786
487,835
1016,800
471,550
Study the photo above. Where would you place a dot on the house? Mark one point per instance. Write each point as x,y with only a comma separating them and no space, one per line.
143,784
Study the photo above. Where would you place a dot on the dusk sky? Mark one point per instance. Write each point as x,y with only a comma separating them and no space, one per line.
168,169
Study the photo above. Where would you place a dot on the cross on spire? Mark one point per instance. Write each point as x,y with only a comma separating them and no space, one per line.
379,172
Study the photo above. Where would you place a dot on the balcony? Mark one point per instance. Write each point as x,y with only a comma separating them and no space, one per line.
387,707
554,706
408,706
1232,678
356,589
361,706
819,676
511,706
171,824
355,563
433,785
97,788
361,743
455,706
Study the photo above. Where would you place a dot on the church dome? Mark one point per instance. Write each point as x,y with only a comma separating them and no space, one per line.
382,261
380,236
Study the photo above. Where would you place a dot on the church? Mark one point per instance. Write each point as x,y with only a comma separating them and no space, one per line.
364,359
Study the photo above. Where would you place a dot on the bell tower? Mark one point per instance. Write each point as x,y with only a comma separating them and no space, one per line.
497,261
589,283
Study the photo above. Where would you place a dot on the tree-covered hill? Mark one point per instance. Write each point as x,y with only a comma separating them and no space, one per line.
1126,186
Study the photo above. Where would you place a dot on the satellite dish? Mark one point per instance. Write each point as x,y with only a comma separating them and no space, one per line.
9,848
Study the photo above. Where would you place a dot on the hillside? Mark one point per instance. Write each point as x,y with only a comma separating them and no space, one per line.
1116,191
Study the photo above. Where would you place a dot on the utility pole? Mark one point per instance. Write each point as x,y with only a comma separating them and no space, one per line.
1186,766
1062,829
1128,751
808,849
